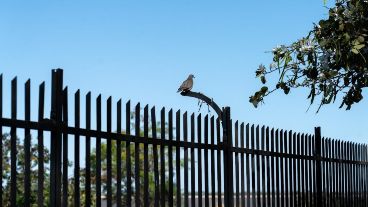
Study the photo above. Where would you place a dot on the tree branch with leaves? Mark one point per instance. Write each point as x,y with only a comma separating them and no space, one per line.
330,60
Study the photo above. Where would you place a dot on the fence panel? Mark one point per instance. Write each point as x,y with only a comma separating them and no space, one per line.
166,162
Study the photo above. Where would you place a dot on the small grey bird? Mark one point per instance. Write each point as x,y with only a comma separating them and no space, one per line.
187,85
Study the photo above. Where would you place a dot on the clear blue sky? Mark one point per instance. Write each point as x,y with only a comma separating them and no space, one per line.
143,50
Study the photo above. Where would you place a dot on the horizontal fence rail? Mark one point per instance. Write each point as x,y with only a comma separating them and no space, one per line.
84,156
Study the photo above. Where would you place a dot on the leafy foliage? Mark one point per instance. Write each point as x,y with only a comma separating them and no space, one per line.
330,60
20,173
34,172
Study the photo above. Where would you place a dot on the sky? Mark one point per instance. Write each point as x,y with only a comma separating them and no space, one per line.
143,50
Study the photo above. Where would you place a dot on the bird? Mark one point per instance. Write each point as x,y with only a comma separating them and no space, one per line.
187,85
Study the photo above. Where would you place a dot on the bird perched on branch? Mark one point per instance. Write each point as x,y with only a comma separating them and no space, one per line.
187,85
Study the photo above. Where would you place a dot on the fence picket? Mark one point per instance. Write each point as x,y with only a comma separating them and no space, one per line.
65,150
178,173
282,186
192,162
170,157
263,166
186,178
286,175
108,153
162,159
137,185
219,185
268,167
128,152
27,144
118,155
273,168
237,203
213,180
98,152
88,152
155,160
199,160
277,145
76,149
242,175
252,137
206,167
40,146
290,175
258,170
13,145
145,158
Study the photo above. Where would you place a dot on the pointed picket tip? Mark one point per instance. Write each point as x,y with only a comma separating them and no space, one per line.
263,127
206,118
212,118
290,133
192,115
42,85
257,127
109,99
199,116
28,82
162,111
127,103
99,97
88,94
236,123
77,93
178,112
14,80
138,106
119,103
65,90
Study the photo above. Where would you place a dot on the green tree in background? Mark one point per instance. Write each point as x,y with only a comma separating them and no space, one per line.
20,173
330,60
34,172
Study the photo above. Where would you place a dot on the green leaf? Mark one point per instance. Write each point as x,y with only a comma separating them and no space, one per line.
355,51
360,39
358,47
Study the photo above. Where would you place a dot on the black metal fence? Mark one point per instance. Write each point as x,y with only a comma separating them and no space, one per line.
176,160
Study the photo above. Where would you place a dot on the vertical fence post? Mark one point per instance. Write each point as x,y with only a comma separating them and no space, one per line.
317,156
56,118
228,162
